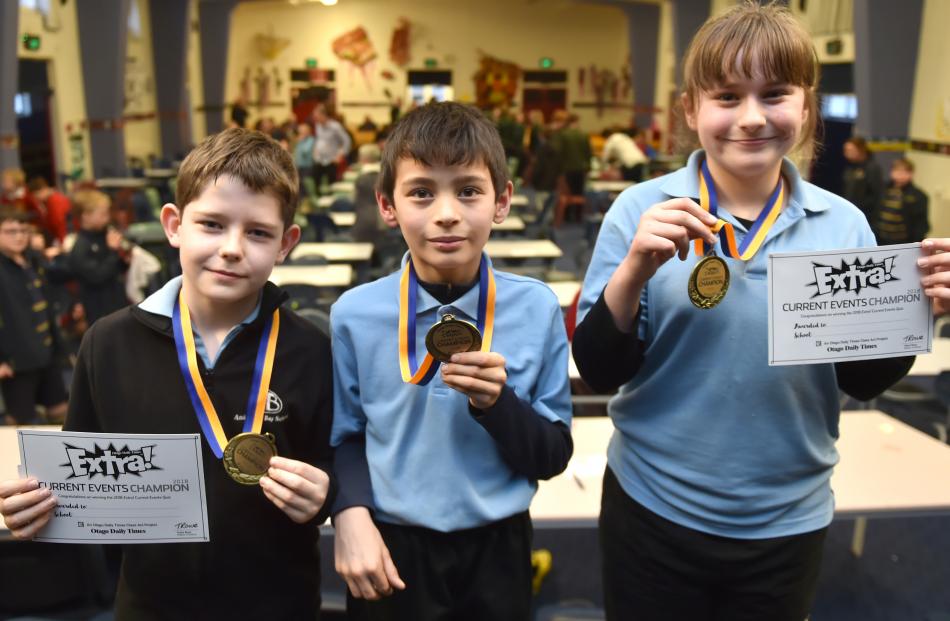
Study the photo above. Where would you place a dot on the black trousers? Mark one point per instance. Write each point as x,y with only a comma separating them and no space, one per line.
475,574
655,569
26,389
323,170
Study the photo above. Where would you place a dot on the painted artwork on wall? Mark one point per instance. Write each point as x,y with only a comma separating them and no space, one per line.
496,82
606,86
399,46
355,48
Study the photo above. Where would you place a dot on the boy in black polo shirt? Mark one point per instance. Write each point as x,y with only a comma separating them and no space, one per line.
237,192
29,374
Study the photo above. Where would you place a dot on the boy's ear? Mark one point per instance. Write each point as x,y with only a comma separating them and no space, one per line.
287,242
171,222
387,210
688,111
503,203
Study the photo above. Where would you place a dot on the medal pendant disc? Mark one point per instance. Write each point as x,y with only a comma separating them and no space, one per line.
247,456
708,282
452,336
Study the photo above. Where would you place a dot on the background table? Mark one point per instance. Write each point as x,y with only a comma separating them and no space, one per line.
342,219
933,363
522,249
565,291
886,469
609,186
335,252
338,275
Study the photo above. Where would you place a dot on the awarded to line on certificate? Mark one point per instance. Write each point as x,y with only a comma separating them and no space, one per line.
118,488
843,305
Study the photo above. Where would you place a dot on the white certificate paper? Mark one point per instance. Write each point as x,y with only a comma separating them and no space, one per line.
118,488
841,305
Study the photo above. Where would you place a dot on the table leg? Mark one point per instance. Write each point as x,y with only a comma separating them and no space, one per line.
857,539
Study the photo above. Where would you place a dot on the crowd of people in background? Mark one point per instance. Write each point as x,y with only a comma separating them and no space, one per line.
64,258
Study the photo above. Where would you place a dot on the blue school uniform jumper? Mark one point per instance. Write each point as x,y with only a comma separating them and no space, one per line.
431,463
707,435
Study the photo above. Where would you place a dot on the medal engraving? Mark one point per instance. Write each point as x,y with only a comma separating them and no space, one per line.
708,282
247,456
451,336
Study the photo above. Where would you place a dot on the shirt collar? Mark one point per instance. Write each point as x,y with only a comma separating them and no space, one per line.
466,305
163,301
685,183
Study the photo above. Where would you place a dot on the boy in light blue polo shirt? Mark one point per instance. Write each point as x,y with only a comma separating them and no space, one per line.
438,463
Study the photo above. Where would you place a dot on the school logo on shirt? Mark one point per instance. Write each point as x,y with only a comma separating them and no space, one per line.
272,409
274,404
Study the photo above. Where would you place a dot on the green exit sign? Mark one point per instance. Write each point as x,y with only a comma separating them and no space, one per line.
431,63
546,63
31,42
311,63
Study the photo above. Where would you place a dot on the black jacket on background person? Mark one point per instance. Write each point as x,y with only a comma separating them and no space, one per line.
864,187
98,270
903,215
24,309
258,563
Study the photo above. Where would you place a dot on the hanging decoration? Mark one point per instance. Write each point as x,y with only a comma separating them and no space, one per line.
496,82
399,46
269,45
355,48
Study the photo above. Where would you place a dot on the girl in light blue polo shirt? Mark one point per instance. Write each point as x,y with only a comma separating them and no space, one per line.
716,497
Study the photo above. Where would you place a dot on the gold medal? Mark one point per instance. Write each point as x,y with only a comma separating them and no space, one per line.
452,336
708,282
247,456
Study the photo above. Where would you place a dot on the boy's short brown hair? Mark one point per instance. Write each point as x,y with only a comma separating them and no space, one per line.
257,160
9,214
903,162
88,199
444,134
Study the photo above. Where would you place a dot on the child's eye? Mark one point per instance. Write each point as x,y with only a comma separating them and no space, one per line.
209,224
469,192
726,97
259,233
776,93
420,193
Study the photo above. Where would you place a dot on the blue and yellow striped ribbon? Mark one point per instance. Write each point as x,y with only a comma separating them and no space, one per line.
727,235
408,288
200,400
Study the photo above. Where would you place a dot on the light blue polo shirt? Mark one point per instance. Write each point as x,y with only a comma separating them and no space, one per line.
163,301
431,464
707,434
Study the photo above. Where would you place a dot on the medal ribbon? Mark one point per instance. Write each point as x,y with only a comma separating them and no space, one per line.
204,408
413,373
727,236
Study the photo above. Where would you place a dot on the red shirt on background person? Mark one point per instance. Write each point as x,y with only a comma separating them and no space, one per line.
55,208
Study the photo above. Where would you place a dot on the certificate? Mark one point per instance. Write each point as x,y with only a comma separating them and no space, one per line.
841,305
118,488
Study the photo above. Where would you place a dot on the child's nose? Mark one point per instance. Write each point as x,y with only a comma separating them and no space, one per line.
446,209
752,114
232,245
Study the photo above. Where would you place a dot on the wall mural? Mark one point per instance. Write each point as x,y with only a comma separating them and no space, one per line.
604,85
496,82
355,48
399,46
